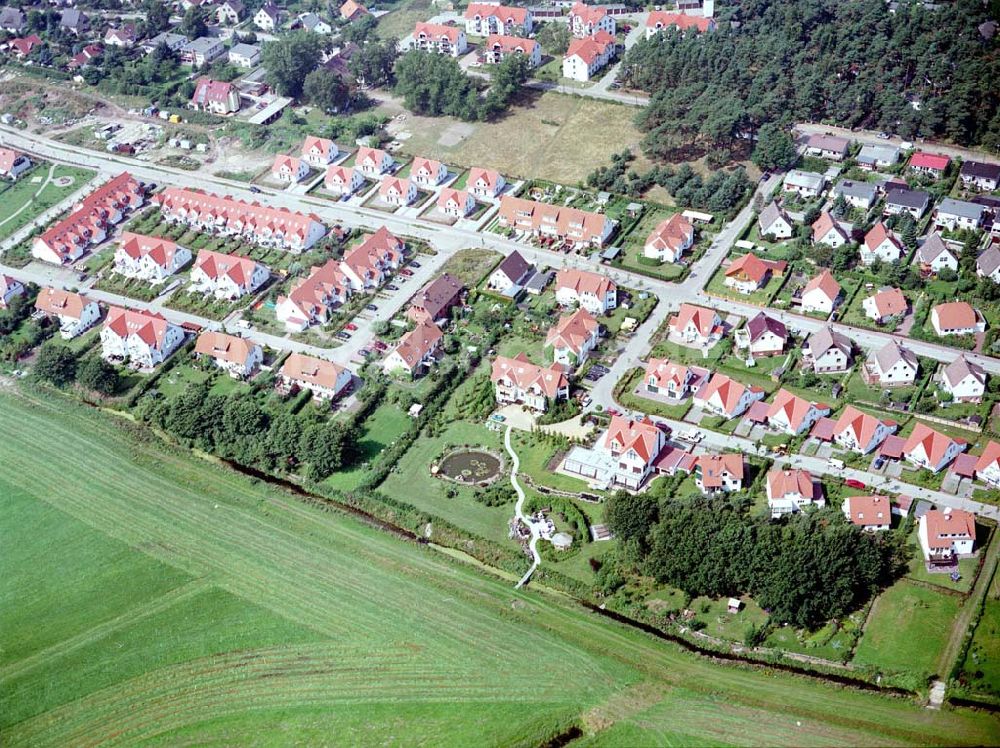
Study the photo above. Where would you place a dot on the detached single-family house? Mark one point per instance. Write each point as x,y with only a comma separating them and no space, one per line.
517,380
955,215
325,379
827,146
244,55
397,191
373,162
596,293
956,318
352,10
10,288
268,17
964,380
774,222
415,351
947,535
932,164
510,275
313,23
697,325
74,21
634,446
485,184
934,255
828,351
829,231
976,175
861,195
804,183
988,264
76,314
874,157
12,20
672,381
988,465
124,36
902,200
861,432
455,203
427,172
13,163
319,152
289,169
892,365
714,474
226,276
789,491
670,239
144,339
343,180
435,300
217,97
794,415
884,305
202,50
880,244
573,337
766,335
726,397
230,12
821,294
931,449
750,273
238,357
870,513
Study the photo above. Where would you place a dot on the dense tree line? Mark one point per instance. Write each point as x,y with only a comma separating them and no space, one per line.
854,64
805,569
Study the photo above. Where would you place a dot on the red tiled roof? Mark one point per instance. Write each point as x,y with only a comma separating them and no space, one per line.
581,225
684,22
673,233
149,327
713,467
506,14
703,318
311,371
572,330
955,315
437,31
861,425
924,160
784,482
642,436
934,443
224,347
944,527
525,374
826,283
583,281
61,303
865,511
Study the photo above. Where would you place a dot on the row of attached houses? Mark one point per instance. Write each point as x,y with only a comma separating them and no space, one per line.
261,224
149,258
88,223
572,225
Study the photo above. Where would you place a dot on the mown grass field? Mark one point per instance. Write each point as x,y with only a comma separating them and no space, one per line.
149,596
18,204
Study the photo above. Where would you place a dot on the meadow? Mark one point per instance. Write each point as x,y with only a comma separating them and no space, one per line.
20,206
151,596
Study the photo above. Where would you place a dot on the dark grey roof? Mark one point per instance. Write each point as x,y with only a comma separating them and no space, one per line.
907,198
770,214
891,354
988,261
977,169
932,247
72,18
514,266
849,188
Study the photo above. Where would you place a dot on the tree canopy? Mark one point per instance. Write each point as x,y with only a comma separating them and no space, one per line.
290,59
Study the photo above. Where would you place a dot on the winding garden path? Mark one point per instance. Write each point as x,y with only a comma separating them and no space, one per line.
536,559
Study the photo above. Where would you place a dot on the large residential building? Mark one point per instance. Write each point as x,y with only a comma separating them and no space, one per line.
571,225
573,337
931,449
861,432
149,257
261,224
587,20
488,19
369,263
517,380
76,314
203,50
964,380
789,491
726,397
624,456
794,415
325,379
226,276
586,56
88,223
416,350
596,293
696,325
312,298
238,357
661,20
892,365
440,38
144,339
947,535
498,47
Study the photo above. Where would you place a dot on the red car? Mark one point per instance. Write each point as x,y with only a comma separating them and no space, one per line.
855,483
613,412
350,326
406,271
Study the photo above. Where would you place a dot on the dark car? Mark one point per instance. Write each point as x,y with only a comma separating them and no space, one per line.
415,264
254,189
371,308
392,287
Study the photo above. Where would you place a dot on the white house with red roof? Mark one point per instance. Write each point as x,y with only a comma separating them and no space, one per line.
661,20
672,381
311,299
793,414
499,47
829,231
484,19
325,379
714,474
885,304
789,491
573,337
67,240
870,513
289,169
217,97
373,162
10,288
596,293
261,224
861,432
76,314
149,257
485,184
880,244
226,276
750,273
13,163
455,203
964,380
440,38
635,444
517,380
343,180
368,264
988,465
238,357
947,535
577,227
415,351
427,172
670,239
821,294
587,20
726,397
932,164
956,318
397,190
319,152
584,57
696,325
931,449
144,339
24,46
124,36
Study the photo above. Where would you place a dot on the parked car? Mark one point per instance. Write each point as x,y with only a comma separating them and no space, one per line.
350,326
371,308
415,264
343,335
254,189
406,271
392,287
851,482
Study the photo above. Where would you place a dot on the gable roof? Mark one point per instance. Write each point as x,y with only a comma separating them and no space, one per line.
437,31
524,374
418,342
990,456
955,315
861,425
703,319
714,467
489,176
149,327
889,302
794,408
160,251
934,443
924,160
961,368
754,267
642,436
772,212
828,143
587,49
217,265
673,233
61,303
787,482
509,44
878,234
585,282
988,261
972,169
224,347
824,225
322,145
506,14
663,19
760,324
729,391
933,246
866,511
514,266
572,330
891,354
437,296
825,339
311,370
944,527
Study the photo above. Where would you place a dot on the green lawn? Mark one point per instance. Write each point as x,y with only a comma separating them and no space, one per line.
386,424
833,642
907,629
981,670
256,618
534,453
22,193
966,566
